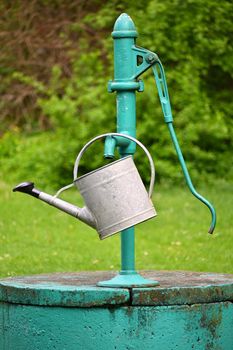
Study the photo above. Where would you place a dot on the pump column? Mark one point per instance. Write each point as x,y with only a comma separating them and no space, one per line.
125,85
124,35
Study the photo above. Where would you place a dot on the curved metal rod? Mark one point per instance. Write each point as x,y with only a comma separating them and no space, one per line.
63,189
76,165
166,108
188,179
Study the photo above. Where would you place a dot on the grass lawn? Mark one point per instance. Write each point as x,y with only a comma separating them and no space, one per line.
36,238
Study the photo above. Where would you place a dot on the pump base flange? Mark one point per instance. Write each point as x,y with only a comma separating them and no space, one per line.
132,280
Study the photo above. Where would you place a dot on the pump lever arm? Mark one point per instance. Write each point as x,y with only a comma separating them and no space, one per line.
161,84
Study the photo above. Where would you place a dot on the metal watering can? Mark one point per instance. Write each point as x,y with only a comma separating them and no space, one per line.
114,195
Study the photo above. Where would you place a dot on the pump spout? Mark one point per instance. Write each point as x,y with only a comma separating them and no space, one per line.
82,214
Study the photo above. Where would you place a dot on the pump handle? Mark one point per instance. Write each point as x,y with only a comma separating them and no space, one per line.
160,80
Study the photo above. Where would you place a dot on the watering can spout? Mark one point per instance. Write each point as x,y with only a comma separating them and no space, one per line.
82,214
111,202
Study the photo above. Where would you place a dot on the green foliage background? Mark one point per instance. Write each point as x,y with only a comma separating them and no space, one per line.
64,110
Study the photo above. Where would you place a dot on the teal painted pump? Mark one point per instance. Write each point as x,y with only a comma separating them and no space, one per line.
130,61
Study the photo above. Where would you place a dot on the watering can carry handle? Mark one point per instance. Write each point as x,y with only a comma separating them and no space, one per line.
112,134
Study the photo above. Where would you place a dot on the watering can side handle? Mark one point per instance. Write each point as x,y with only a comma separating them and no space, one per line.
152,180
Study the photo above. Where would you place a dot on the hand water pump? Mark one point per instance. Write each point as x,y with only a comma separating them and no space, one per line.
115,197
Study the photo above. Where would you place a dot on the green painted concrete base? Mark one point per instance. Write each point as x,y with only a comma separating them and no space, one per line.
69,312
197,327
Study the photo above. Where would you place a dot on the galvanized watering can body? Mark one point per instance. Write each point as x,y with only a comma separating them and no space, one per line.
114,195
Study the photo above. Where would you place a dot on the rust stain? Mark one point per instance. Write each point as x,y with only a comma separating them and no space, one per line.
211,323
